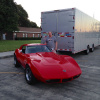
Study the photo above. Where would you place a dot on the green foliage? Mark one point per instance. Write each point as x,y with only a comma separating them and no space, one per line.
8,16
33,24
23,18
28,38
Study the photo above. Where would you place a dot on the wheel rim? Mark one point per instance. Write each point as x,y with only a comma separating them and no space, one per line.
28,74
87,50
92,48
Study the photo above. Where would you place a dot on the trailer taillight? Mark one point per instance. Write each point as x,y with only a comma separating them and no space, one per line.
73,17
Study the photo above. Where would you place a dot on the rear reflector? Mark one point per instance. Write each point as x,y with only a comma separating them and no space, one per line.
73,17
68,36
64,49
69,49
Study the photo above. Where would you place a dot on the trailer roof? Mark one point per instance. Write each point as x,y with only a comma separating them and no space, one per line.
58,10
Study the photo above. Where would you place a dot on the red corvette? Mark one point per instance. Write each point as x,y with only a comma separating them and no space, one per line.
42,64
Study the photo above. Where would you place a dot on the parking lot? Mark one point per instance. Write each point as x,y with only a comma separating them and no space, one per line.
87,87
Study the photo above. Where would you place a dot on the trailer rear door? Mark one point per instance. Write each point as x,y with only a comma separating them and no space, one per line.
49,21
65,29
65,21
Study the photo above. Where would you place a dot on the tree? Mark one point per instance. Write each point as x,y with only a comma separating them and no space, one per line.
33,24
12,16
23,18
22,21
8,16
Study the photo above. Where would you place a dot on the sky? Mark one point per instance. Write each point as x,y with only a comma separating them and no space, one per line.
35,7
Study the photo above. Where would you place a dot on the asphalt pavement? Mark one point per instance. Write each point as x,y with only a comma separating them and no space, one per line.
87,87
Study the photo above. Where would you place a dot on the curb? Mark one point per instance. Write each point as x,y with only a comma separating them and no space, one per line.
6,56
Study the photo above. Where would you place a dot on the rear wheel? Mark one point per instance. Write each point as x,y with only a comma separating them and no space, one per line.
87,50
92,49
30,79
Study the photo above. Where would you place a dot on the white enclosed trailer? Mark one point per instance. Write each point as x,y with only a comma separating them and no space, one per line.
75,31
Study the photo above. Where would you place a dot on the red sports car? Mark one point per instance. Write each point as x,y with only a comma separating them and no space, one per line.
44,65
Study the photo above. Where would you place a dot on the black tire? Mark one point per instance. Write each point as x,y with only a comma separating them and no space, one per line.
16,62
30,79
87,51
92,49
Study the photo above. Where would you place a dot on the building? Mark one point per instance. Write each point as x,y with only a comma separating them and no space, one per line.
6,36
23,32
27,32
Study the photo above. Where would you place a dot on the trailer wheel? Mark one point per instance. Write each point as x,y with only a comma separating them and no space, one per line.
92,49
87,50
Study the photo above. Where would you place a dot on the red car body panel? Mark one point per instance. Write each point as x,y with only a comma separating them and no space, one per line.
47,66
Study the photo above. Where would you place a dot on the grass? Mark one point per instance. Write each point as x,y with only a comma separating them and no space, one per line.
11,45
